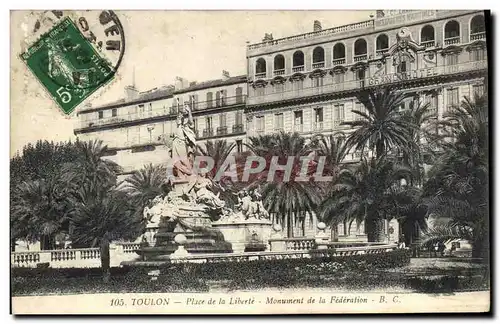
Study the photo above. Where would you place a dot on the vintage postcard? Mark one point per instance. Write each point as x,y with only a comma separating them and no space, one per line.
249,162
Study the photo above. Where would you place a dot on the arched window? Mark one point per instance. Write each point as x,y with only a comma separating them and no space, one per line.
318,58
339,54
427,36
360,50
382,44
279,65
477,28
260,68
452,32
298,61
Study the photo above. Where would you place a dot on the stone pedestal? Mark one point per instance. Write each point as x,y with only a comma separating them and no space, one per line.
246,235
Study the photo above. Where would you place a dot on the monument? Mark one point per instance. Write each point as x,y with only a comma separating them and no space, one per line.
193,214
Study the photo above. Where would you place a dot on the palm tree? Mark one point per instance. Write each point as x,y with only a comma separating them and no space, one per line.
39,210
290,199
382,128
145,184
458,187
100,215
367,192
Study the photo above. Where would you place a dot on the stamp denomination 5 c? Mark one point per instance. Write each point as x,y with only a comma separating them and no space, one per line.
67,65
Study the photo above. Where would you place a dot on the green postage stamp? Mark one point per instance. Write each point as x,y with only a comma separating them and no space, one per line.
67,65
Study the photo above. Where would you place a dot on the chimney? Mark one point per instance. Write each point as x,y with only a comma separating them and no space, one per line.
131,93
317,26
225,75
267,37
181,83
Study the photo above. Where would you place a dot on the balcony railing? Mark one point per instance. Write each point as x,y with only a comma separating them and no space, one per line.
298,128
166,111
452,40
325,32
279,72
222,130
318,65
476,36
362,57
208,132
338,61
382,51
261,75
429,43
317,126
298,68
238,128
353,85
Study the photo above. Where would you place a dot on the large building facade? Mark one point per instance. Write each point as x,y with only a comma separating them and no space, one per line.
306,83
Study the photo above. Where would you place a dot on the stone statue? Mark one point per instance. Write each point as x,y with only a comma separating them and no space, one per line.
184,143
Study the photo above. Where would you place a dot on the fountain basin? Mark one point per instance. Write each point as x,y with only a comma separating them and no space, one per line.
246,235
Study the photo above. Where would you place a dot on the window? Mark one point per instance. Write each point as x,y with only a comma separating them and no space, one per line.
217,99
260,123
193,101
239,95
113,112
477,54
452,59
239,146
298,84
260,68
477,26
382,43
452,98
298,117
209,99
278,121
318,57
298,59
339,113
317,81
101,114
223,97
141,108
478,90
427,36
339,54
431,99
361,108
338,77
318,119
208,122
360,74
222,120
239,118
402,67
279,64
150,109
452,32
360,47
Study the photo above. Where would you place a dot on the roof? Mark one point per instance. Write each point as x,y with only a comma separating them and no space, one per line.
153,94
214,83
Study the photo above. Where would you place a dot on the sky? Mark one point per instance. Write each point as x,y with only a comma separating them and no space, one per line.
160,45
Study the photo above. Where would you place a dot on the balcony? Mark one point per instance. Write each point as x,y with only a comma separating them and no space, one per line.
477,36
279,72
382,51
208,132
452,40
269,97
317,126
359,58
238,128
429,43
318,65
261,75
222,130
298,69
338,61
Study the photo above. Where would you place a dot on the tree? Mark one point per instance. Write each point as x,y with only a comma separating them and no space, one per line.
39,211
290,199
381,128
145,184
458,187
366,192
100,215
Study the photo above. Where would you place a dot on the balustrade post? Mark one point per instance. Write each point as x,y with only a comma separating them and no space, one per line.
116,254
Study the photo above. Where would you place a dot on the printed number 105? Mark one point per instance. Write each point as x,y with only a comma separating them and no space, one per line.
117,302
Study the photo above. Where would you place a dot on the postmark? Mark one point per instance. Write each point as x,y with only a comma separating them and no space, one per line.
76,55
